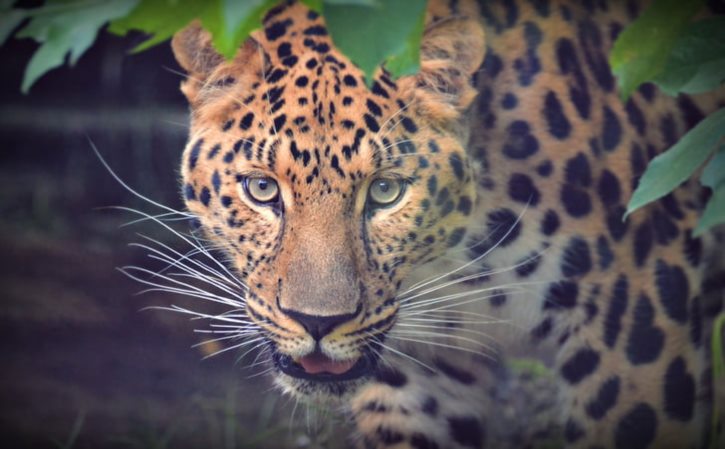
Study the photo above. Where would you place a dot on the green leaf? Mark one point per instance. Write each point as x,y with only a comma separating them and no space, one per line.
160,18
66,28
641,50
714,211
9,20
713,176
668,170
370,35
236,19
315,5
697,61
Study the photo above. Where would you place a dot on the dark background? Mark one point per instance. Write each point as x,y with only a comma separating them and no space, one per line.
77,351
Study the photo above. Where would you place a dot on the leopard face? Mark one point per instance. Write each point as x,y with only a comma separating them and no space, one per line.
323,193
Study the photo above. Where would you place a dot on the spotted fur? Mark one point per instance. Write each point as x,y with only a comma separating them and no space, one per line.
517,158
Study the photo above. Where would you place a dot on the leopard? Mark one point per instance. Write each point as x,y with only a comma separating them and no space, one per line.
394,238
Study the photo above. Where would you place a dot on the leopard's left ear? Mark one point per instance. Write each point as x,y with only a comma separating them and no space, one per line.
452,50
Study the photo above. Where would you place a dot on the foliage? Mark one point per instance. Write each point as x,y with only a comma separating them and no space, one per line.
665,46
369,32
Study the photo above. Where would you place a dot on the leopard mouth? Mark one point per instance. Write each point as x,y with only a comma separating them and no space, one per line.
318,367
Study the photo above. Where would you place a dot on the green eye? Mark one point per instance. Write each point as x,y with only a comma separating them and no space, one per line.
385,191
261,189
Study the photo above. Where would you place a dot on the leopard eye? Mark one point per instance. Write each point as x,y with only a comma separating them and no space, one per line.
261,189
385,191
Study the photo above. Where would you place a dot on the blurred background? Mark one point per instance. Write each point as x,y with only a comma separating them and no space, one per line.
82,365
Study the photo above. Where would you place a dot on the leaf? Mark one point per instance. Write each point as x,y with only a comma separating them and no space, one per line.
9,20
369,35
160,18
65,28
714,211
713,176
697,61
641,50
235,20
315,5
668,170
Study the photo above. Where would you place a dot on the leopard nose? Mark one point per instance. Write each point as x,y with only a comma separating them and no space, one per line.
318,326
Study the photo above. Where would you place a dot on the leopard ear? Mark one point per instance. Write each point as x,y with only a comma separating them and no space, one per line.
195,54
452,50
206,68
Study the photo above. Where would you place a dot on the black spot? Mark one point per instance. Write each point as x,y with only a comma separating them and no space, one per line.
573,431
214,151
390,376
302,81
557,122
612,130
690,112
673,289
284,50
276,75
634,114
636,429
583,363
545,168
604,252
642,243
617,308
645,341
226,201
576,201
523,190
189,193
457,165
194,153
430,406
492,64
315,30
520,144
454,373
669,130
455,237
503,226
464,205
420,441
605,399
466,431
205,196
371,123
246,121
432,185
569,65
497,298
349,80
578,171
277,29
409,125
679,391
542,330
576,260
550,223
608,189
561,295
378,90
528,265
389,436
509,101
665,230
216,181
616,226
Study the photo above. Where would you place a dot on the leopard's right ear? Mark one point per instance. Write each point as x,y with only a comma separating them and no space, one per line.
204,66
